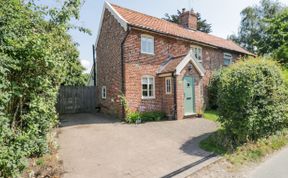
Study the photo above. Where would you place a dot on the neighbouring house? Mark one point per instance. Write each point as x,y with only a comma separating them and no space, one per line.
156,65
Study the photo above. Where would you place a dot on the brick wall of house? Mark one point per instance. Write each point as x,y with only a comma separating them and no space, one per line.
137,65
109,68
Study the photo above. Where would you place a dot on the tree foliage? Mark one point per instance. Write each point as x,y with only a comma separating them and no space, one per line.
36,56
252,100
254,23
202,24
276,39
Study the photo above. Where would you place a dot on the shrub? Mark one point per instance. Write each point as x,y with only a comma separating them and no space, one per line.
152,116
212,90
36,56
132,117
252,100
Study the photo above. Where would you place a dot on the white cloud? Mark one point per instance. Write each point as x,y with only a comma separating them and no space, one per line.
87,65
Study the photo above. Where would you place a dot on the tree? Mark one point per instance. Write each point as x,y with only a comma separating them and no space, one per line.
275,41
202,24
254,23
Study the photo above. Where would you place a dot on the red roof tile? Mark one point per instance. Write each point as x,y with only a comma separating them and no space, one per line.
171,65
162,26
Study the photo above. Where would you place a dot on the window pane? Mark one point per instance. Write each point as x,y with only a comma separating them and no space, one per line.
144,93
144,80
144,87
227,61
151,80
150,93
147,45
150,86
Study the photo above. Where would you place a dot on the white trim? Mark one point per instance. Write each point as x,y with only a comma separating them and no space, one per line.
148,37
148,97
190,58
116,15
102,89
170,79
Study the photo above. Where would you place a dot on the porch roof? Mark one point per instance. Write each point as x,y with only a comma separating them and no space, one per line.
176,64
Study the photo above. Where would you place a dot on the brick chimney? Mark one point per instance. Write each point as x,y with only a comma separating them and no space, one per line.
188,19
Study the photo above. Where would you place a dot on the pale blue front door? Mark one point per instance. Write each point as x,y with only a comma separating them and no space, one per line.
189,95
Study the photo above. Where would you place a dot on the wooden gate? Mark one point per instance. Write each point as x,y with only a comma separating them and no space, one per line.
73,99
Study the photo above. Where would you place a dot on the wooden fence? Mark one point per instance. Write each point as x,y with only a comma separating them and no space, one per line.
76,99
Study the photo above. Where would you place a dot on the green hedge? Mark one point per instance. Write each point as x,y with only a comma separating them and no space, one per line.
252,100
36,56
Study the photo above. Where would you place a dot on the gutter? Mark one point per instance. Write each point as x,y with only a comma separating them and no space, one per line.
122,68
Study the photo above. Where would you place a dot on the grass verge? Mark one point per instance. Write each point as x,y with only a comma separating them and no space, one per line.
211,115
249,152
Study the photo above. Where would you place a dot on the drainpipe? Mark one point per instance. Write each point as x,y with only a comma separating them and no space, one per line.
122,67
175,94
94,65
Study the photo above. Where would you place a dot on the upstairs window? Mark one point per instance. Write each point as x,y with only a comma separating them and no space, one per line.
227,59
147,44
104,92
198,53
168,85
148,87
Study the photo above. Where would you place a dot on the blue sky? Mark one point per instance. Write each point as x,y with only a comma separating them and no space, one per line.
224,15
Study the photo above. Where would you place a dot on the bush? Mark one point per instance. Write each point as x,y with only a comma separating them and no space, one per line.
36,56
132,117
252,100
212,90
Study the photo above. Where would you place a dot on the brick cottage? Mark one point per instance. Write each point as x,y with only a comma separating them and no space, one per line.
156,65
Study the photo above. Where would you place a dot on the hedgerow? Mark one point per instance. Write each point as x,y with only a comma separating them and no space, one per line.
252,100
36,56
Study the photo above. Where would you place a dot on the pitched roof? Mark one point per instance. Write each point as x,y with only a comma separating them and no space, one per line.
177,63
170,64
144,21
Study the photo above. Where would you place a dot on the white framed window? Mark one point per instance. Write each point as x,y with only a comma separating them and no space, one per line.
198,52
168,85
147,44
104,92
148,87
227,59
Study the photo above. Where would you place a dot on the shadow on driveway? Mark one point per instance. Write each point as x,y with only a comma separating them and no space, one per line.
68,120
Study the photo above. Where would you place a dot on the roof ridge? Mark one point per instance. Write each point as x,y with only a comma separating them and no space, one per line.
131,10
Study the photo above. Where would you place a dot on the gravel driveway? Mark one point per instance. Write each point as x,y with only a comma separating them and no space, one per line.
92,145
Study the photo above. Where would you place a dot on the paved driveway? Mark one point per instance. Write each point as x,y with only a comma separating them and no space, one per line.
96,146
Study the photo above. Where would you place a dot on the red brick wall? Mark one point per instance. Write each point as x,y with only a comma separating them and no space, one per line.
109,64
137,65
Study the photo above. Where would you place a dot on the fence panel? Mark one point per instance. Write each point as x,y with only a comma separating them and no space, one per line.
76,99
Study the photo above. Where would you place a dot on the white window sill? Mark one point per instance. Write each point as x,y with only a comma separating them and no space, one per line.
152,54
147,98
